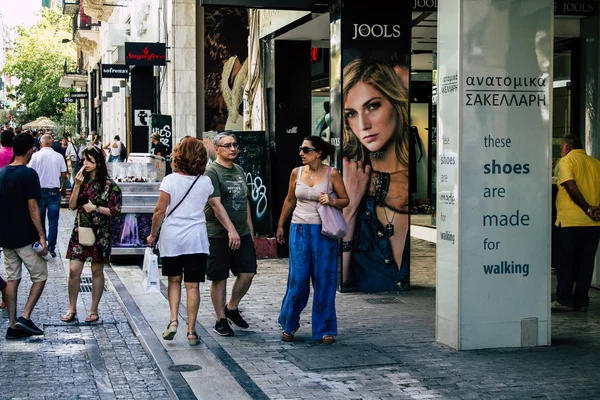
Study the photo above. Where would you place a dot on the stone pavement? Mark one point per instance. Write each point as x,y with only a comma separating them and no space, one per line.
385,350
75,361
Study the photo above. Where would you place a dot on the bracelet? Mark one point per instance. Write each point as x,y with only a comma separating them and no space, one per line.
346,246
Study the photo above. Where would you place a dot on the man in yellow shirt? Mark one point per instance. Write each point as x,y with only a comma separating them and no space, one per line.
578,224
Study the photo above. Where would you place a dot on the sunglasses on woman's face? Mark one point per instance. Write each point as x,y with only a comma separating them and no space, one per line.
306,149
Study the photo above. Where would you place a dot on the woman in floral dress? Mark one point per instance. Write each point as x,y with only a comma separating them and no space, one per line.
96,198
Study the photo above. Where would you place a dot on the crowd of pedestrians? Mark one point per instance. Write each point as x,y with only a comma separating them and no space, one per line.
202,216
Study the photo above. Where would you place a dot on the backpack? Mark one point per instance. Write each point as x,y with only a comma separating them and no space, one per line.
123,155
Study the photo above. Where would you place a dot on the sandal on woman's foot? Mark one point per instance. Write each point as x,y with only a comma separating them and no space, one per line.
327,339
194,339
92,317
169,334
70,316
287,337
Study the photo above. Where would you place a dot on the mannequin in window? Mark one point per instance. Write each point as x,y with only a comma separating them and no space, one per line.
232,33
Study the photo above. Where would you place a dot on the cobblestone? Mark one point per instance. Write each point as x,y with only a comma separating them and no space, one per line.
404,331
70,361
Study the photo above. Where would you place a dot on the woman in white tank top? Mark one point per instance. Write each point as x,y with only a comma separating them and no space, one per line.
312,255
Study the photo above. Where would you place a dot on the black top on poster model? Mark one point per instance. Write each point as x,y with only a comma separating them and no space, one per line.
300,5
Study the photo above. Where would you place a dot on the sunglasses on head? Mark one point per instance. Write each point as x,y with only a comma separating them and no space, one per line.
306,149
230,145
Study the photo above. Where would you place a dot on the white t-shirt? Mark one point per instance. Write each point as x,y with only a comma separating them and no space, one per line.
115,151
184,232
48,164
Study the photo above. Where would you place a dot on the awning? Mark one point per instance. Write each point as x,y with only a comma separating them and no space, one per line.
73,80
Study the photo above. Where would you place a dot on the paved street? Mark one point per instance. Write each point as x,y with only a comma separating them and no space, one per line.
72,361
386,348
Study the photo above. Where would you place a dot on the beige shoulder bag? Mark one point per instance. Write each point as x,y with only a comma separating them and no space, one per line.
87,237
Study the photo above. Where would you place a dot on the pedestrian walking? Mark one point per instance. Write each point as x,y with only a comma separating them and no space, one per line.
313,256
3,291
183,243
52,170
6,152
578,224
115,149
73,152
21,228
230,233
158,148
96,198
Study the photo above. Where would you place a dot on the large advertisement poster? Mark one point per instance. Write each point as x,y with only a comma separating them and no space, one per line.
375,146
226,67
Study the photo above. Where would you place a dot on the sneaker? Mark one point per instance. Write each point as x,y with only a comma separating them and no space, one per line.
12,334
235,317
556,306
222,328
52,253
27,325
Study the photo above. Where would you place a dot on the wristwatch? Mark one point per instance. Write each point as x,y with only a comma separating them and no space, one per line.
589,210
97,209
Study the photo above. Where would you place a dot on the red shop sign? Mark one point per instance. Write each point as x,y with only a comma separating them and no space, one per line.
148,54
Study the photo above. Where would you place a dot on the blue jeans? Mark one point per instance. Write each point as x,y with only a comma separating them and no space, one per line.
50,203
312,256
114,158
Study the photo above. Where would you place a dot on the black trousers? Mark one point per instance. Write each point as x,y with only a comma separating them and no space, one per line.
576,256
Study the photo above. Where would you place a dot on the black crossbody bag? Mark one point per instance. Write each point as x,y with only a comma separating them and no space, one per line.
155,247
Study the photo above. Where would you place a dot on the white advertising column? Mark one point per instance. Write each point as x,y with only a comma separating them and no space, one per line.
494,162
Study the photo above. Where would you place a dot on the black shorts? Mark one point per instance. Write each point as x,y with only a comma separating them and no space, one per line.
222,259
191,266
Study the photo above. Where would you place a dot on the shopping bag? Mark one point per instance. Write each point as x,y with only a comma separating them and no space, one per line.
151,279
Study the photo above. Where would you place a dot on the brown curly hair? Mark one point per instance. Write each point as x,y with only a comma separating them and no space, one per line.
189,157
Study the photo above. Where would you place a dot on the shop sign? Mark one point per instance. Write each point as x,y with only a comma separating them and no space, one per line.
272,20
575,8
68,100
162,124
425,5
141,117
145,54
561,7
79,95
115,71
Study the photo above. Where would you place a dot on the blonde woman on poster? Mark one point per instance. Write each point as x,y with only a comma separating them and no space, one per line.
375,165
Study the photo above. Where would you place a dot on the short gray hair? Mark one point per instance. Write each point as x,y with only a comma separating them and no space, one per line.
222,135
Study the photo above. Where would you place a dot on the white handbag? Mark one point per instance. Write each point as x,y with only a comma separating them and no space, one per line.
87,237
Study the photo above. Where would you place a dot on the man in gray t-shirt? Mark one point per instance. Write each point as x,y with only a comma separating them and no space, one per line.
230,234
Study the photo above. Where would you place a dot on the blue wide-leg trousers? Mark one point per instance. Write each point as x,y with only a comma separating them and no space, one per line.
312,256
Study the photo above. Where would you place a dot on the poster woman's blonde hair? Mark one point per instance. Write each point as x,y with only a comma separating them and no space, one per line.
381,76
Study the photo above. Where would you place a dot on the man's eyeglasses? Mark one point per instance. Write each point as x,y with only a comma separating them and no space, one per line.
230,145
306,149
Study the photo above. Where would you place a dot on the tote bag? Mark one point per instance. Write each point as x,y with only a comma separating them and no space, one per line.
334,224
